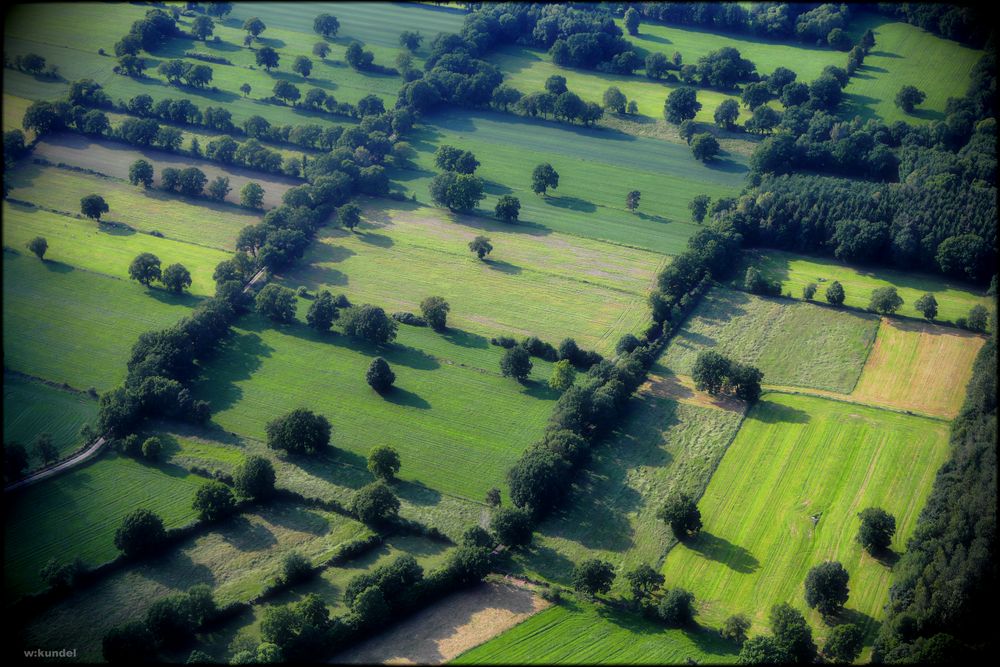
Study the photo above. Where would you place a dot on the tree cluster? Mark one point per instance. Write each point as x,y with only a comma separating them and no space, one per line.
716,374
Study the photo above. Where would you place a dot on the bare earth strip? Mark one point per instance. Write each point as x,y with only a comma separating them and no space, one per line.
450,627
681,389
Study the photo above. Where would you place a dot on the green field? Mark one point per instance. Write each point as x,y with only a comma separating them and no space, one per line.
580,633
76,514
786,497
793,343
31,407
796,271
597,168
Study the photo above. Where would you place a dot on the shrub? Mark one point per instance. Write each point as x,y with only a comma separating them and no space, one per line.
254,478
676,609
379,375
141,532
295,568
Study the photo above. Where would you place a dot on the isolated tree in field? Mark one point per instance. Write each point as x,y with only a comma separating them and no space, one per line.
844,644
826,588
516,363
704,147
219,188
682,104
213,501
303,66
286,91
322,312
643,581
379,375
276,303
735,628
727,113
300,431
885,301
676,608
326,25
94,206
410,40
481,246
809,291
252,196
375,503
977,319
267,58
615,100
791,634
909,97
45,448
508,208
383,462
140,532
876,530
38,246
632,21
835,293
681,513
512,526
927,305
699,207
593,576
563,375
762,650
543,178
632,200
254,26
176,278
141,171
370,323
145,268
435,310
321,50
245,89
202,27
254,478
349,215
152,448
710,371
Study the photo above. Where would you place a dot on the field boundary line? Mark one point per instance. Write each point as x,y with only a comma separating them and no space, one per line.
88,453
846,398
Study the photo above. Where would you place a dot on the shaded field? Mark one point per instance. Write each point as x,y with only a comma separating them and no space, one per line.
793,343
82,325
794,272
917,366
579,633
31,407
76,514
403,253
786,497
238,559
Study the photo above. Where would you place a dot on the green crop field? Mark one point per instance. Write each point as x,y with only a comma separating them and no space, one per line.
597,168
403,253
786,497
77,513
31,407
82,325
793,343
794,272
580,633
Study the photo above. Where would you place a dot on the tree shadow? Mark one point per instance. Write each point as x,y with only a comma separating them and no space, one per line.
726,166
405,398
887,557
297,518
245,535
379,240
884,54
494,188
170,298
774,413
55,266
503,267
327,252
723,551
571,203
464,338
176,570
417,493
238,358
539,389
654,218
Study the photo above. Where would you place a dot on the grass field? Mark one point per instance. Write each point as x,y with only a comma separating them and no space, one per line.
597,168
796,271
921,367
76,514
793,343
786,497
238,559
580,633
31,407
402,253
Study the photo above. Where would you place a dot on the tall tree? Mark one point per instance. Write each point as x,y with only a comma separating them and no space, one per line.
826,588
543,178
145,268
94,206
38,246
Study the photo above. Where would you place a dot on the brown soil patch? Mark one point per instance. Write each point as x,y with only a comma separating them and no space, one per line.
448,628
681,389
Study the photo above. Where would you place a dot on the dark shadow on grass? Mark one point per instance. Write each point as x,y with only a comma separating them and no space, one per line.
379,240
172,299
654,218
887,558
571,203
539,389
723,551
238,359
884,54
727,166
503,267
245,535
773,413
176,570
298,519
114,228
57,267
406,398
417,493
494,188
327,252
465,338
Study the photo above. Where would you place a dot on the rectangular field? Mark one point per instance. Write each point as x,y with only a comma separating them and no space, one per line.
786,497
793,343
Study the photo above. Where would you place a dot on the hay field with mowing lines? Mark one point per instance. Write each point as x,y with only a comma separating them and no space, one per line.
76,514
794,272
793,343
105,249
786,497
403,253
238,559
581,633
597,168
920,367
82,325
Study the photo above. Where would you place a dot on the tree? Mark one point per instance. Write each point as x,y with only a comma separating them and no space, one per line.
322,312
303,66
435,310
556,84
46,448
826,588
321,50
563,375
727,113
508,208
141,171
245,89
326,25
704,147
687,129
458,192
682,104
254,26
383,462
493,497
699,207
370,323
252,195
140,532
516,363
213,501
643,580
835,293
295,568
885,301
676,608
170,620
632,200
978,317
176,278
151,448
735,628
349,215
908,97
219,188
192,181
375,503
254,478
512,526
410,40
379,375
145,268
300,431
481,246
876,530
927,305
615,100
276,303
93,206
844,644
267,58
543,178
62,576
287,91
791,634
202,27
38,246
593,576
710,371
681,513
632,21
762,650
809,291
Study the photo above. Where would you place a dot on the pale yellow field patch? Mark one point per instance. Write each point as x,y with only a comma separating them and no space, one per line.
681,389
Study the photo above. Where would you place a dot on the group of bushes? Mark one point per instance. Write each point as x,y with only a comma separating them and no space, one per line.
170,623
